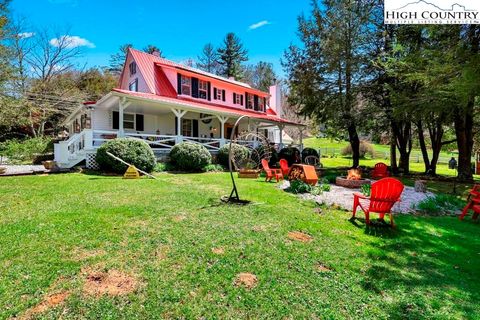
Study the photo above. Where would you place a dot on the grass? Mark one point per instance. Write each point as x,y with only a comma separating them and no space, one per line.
163,231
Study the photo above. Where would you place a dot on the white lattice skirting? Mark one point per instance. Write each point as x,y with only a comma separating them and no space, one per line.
90,161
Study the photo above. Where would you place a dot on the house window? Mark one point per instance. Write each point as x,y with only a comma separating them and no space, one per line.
202,89
133,68
128,121
261,104
238,99
186,85
133,86
187,127
250,101
218,94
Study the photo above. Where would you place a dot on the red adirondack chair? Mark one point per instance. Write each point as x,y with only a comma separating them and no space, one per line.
473,201
284,166
271,173
380,170
384,194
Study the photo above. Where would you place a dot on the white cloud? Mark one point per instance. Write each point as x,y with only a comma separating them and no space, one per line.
71,42
259,24
25,35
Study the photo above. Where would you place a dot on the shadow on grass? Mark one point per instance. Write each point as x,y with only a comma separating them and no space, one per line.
432,262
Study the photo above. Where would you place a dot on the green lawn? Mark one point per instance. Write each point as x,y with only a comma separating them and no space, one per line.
53,228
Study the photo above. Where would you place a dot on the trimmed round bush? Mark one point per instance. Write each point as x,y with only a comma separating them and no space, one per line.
188,156
289,154
133,151
309,152
237,150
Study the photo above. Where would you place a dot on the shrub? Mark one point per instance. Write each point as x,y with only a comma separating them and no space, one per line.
365,148
188,156
289,154
258,154
440,203
237,150
133,151
330,178
366,189
309,152
213,168
26,150
298,186
163,167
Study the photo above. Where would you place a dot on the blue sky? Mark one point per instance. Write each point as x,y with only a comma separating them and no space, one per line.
178,28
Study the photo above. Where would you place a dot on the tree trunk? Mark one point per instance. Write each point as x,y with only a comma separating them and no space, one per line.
463,121
423,147
355,143
403,134
393,154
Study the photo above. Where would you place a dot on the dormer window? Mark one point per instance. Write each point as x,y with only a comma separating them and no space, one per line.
261,104
186,85
238,99
250,101
202,89
133,68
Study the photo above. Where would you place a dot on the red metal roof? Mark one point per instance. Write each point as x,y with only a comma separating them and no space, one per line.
146,63
205,106
163,86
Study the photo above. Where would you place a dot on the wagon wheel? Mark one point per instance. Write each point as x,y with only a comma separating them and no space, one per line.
313,161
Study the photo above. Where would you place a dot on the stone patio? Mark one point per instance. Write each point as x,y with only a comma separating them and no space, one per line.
343,197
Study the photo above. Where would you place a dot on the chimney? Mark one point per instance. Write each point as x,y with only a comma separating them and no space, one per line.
156,53
276,99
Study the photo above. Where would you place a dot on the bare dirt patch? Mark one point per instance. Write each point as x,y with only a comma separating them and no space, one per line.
218,250
112,283
259,228
299,236
322,268
49,302
162,252
246,280
179,218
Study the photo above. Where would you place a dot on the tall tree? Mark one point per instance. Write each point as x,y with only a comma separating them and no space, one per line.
260,75
231,55
118,59
208,59
327,72
151,49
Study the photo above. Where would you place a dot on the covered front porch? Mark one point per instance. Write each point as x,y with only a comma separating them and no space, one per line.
161,124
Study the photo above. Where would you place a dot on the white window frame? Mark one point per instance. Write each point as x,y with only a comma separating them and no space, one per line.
185,127
261,105
186,85
131,121
202,89
219,94
238,99
250,102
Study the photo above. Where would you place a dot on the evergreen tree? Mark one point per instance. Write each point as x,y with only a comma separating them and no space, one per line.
118,59
231,55
208,59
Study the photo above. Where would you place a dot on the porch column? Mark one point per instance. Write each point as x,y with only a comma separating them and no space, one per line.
123,104
222,120
179,114
280,144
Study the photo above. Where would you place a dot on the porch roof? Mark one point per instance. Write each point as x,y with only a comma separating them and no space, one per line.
205,106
